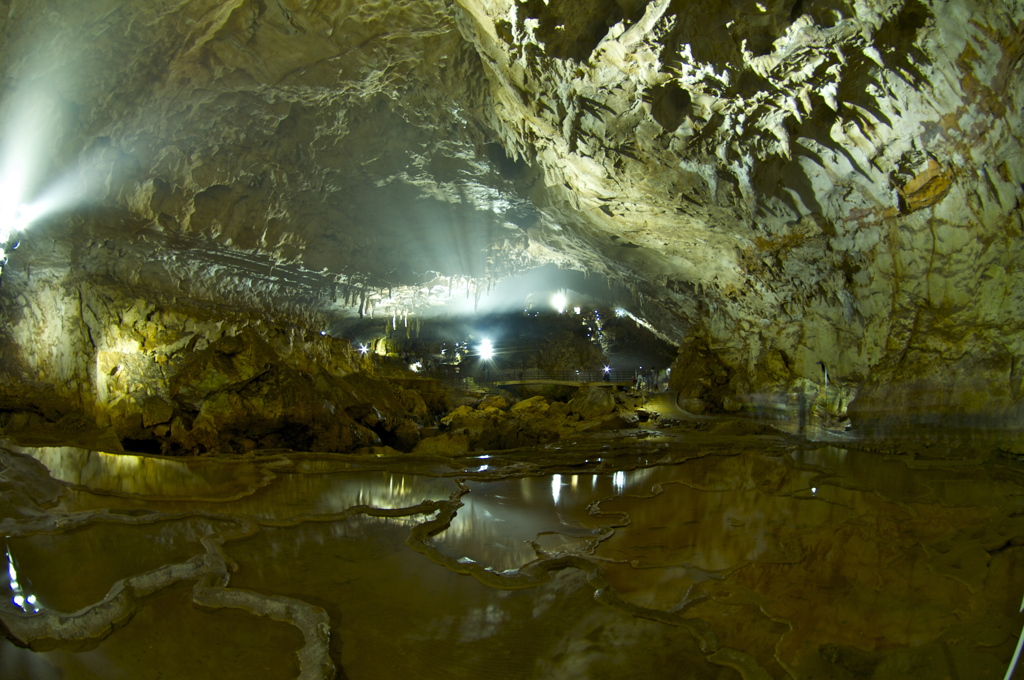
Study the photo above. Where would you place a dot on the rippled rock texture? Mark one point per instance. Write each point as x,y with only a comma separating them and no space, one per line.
727,556
779,183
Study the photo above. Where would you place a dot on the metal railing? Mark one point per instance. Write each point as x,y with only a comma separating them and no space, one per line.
539,375
450,377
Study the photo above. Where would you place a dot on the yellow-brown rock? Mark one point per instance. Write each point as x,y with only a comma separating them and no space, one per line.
790,184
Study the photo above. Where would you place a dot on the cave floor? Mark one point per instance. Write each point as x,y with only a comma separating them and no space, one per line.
653,553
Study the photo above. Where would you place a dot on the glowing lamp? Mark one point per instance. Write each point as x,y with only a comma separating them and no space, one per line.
486,349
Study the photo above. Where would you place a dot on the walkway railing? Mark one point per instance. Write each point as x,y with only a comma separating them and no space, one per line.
448,376
539,375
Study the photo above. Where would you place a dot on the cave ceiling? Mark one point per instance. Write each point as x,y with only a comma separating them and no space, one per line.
792,180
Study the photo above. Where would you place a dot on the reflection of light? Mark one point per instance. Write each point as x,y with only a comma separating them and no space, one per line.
559,302
415,368
486,349
814,489
118,462
619,481
556,487
29,604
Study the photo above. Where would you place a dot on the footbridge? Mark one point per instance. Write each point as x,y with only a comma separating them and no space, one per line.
536,377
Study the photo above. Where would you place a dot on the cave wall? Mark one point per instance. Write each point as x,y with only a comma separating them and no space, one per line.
85,357
832,181
779,183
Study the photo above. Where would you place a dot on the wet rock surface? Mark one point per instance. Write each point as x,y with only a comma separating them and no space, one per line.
818,203
727,552
781,183
163,379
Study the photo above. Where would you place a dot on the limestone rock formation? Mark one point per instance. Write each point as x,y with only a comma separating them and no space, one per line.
778,183
533,421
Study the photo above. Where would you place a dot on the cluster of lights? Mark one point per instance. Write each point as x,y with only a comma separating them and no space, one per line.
12,222
618,482
5,246
456,352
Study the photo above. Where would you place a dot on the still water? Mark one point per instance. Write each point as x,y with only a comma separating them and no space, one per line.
685,555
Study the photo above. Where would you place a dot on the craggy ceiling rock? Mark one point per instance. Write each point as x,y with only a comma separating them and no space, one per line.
806,181
781,183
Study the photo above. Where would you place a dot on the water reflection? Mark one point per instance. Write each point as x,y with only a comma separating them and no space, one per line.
22,598
815,561
149,476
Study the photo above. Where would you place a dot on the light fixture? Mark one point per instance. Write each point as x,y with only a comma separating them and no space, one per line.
486,349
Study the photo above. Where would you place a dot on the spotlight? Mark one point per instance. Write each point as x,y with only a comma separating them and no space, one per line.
363,349
486,349
559,302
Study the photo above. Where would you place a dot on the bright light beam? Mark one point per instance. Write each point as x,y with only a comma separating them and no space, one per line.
559,302
486,349
25,194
